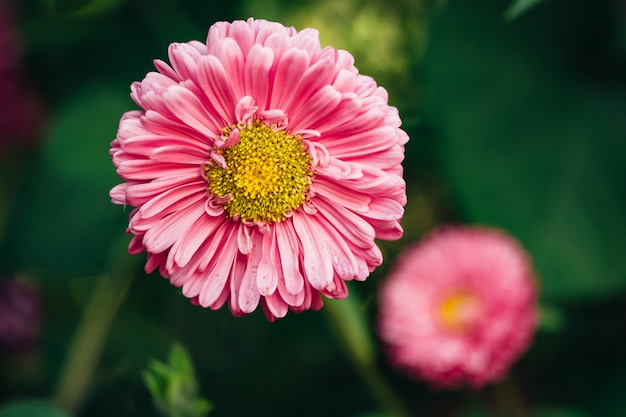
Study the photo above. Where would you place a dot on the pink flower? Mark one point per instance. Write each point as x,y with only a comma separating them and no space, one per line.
459,307
22,111
262,167
20,314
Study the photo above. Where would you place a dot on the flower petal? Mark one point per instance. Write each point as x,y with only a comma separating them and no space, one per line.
317,265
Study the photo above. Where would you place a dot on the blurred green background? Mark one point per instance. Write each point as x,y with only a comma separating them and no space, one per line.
516,121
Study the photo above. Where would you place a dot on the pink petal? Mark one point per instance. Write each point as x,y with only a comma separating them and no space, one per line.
343,260
267,277
168,230
184,59
186,106
217,276
257,74
274,306
245,109
248,292
236,279
312,80
188,245
342,195
242,34
118,193
179,154
173,199
289,255
317,265
345,111
289,71
214,81
143,170
139,193
320,106
354,228
231,55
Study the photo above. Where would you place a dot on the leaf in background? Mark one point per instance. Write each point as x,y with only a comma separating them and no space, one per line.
528,150
65,220
519,7
173,386
551,319
31,408
82,8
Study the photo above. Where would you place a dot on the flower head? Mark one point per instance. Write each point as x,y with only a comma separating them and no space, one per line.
261,168
459,307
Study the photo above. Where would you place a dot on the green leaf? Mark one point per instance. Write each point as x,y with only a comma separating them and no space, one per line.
529,150
551,319
82,8
173,385
31,408
180,361
519,7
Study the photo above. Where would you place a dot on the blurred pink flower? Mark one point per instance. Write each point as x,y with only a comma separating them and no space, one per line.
262,167
459,307
22,111
20,314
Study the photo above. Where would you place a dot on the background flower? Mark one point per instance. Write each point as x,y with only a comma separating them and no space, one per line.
459,307
22,110
262,167
20,314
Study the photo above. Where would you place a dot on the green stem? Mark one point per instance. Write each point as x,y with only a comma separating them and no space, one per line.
350,326
89,339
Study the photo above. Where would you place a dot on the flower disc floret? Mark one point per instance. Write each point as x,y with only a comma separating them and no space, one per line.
266,176
457,311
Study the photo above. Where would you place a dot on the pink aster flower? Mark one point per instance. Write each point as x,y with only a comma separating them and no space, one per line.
261,168
459,307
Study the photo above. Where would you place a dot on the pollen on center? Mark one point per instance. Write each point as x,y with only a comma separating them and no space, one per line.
458,311
267,176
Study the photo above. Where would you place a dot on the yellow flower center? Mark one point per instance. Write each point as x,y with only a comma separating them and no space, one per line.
458,311
268,174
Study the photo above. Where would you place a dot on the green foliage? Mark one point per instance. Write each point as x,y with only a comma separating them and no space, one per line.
82,8
66,192
519,7
527,148
31,408
551,319
173,386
